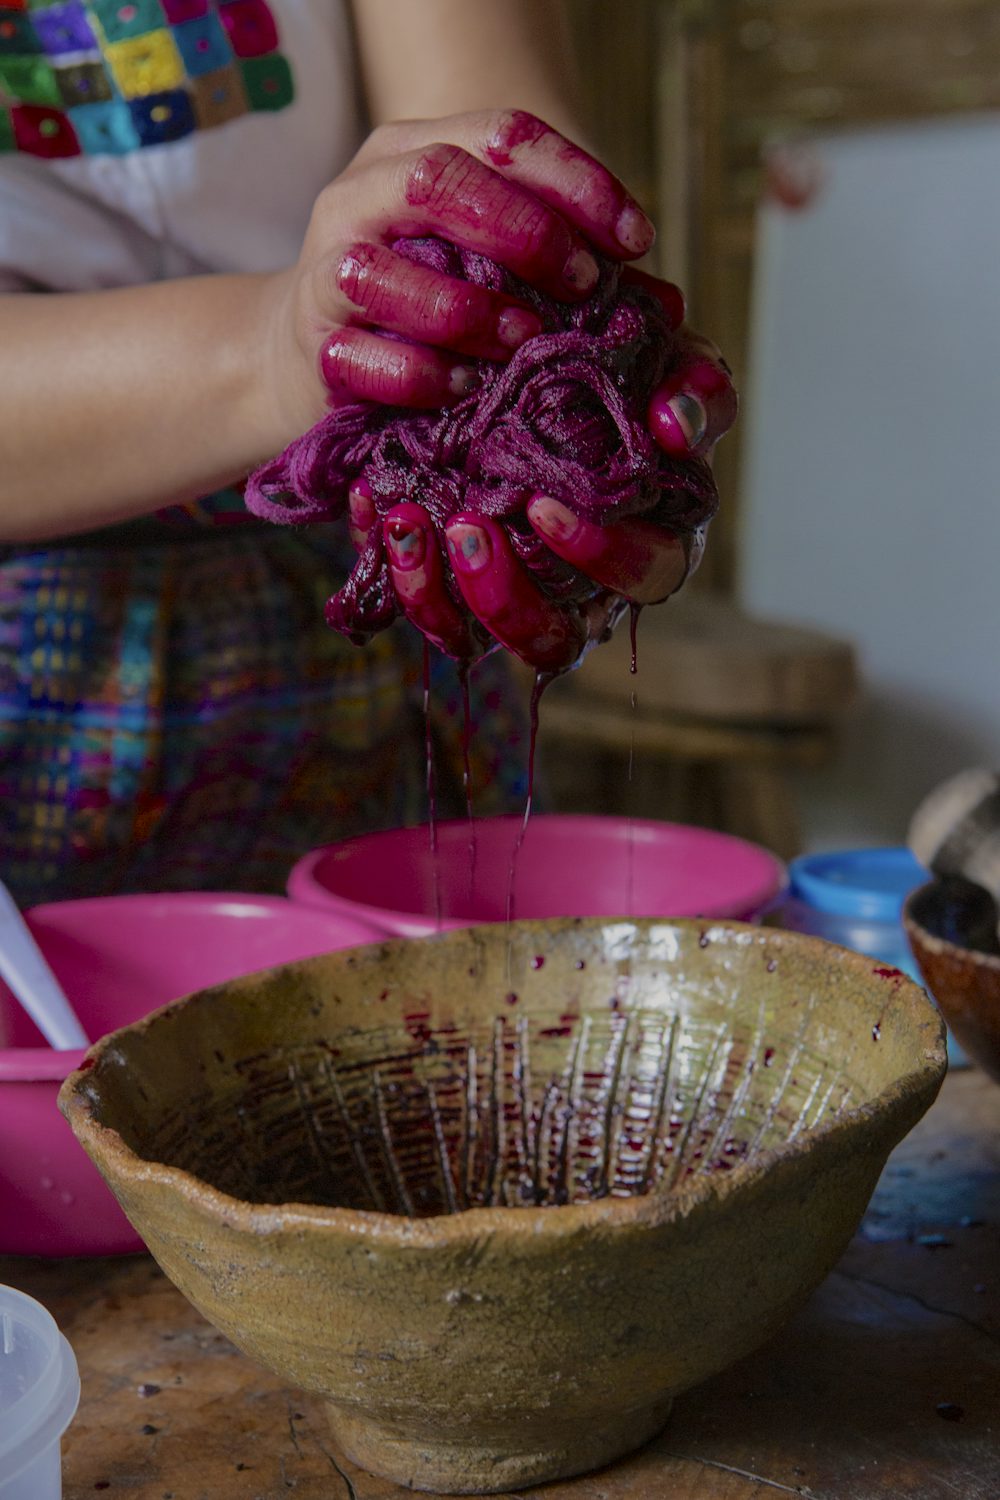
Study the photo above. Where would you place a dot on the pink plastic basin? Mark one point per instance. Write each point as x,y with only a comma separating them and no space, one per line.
568,866
118,958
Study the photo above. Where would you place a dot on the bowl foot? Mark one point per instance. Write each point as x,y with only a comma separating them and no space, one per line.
489,1465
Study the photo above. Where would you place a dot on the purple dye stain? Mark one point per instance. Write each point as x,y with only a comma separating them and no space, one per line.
543,415
538,962
416,1025
885,973
768,1056
511,997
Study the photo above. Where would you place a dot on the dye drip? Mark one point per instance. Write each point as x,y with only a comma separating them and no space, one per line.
634,612
566,417
431,786
542,680
463,678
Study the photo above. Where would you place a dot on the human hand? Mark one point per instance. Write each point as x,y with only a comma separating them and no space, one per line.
394,332
635,560
501,183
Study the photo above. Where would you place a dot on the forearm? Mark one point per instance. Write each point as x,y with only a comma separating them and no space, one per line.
427,58
119,402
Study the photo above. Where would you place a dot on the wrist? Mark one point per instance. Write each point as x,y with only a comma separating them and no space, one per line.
282,395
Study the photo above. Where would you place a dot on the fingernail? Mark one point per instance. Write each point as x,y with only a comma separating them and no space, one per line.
360,511
463,380
581,270
469,547
554,518
407,544
691,417
516,325
635,230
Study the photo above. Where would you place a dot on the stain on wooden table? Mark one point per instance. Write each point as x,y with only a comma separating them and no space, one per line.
885,1387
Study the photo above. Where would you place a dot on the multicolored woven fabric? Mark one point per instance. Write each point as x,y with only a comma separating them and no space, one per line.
178,716
113,76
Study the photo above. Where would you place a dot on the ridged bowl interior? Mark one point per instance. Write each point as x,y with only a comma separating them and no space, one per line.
559,1064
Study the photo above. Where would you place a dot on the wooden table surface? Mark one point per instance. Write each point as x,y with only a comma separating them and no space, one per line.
885,1387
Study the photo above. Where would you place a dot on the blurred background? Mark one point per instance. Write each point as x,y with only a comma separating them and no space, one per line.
824,176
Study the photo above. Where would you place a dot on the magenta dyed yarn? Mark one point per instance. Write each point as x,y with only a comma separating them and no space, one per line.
566,416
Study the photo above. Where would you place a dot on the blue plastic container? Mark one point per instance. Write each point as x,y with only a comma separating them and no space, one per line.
855,897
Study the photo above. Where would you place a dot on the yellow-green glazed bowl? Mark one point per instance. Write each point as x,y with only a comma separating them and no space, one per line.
497,1196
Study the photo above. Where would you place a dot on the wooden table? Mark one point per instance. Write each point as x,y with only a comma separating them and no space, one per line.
886,1386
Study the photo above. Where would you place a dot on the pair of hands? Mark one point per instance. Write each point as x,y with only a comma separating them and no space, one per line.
506,185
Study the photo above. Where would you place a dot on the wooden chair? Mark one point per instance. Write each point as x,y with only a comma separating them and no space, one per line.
727,709
686,97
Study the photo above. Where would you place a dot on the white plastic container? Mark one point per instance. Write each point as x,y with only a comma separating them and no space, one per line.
39,1393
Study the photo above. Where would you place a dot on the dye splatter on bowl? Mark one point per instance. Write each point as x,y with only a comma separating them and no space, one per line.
499,1195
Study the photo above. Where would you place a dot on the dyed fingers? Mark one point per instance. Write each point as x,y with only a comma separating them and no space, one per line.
531,154
417,571
448,191
697,403
635,558
506,601
569,179
393,294
668,295
361,366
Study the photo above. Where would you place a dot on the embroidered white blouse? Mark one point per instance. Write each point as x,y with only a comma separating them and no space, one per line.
146,139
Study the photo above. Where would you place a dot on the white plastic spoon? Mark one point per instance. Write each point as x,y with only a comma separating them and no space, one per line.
33,982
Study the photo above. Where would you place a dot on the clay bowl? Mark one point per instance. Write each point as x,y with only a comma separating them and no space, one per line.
498,1195
948,932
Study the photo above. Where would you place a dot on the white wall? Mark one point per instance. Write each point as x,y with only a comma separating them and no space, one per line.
873,474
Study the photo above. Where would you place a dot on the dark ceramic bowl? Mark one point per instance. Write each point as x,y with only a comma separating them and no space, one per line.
952,931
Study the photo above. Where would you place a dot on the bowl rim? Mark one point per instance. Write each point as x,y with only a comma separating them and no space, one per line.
303,887
944,946
53,1064
896,1108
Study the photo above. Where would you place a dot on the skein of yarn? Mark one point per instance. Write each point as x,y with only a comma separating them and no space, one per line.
566,416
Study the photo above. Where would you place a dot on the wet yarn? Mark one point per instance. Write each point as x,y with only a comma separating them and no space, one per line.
565,417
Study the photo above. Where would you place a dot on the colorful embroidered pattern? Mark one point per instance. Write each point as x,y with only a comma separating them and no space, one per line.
179,717
111,76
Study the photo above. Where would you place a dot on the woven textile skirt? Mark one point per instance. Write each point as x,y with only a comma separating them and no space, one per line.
176,715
